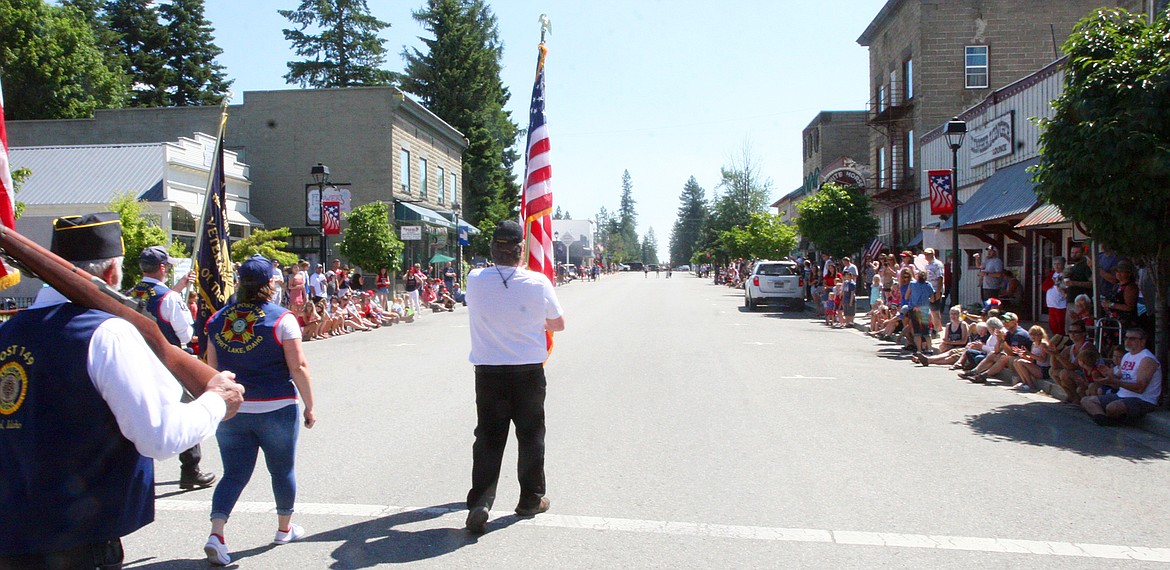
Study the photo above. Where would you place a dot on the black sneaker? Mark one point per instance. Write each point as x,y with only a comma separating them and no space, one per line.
477,520
195,479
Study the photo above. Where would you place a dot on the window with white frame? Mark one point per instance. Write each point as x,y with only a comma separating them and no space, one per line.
976,68
442,180
405,167
909,151
422,178
883,173
454,189
881,98
908,78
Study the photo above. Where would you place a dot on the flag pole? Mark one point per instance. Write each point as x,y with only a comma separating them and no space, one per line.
223,117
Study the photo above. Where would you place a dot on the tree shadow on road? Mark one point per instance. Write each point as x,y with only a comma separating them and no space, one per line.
1053,424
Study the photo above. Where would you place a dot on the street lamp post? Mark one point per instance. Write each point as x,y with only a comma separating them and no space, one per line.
955,132
321,176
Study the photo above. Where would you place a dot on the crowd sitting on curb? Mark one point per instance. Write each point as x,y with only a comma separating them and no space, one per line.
1123,383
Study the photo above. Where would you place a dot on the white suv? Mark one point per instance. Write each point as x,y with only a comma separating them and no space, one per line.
777,282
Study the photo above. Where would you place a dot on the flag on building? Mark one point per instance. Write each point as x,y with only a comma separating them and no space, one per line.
941,198
331,217
536,207
873,249
8,275
213,264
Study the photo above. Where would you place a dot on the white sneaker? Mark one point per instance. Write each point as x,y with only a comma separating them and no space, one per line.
295,533
217,552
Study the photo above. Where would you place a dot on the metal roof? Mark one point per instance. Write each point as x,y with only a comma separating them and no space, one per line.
1045,215
91,174
427,215
1009,192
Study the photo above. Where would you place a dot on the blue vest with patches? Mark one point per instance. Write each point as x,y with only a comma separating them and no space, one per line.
68,477
153,294
244,337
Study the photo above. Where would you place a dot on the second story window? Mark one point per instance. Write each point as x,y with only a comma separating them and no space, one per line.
454,189
881,98
882,173
405,166
908,79
422,178
442,180
976,69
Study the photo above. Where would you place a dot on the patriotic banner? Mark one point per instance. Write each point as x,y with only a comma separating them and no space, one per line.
464,236
213,264
8,275
537,203
873,249
941,196
331,224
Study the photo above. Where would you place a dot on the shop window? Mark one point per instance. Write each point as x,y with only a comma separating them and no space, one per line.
182,220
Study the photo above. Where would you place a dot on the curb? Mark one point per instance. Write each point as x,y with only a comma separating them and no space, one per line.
1156,422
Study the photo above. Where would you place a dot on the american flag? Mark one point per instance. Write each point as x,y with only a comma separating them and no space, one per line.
941,198
331,217
8,276
873,249
537,204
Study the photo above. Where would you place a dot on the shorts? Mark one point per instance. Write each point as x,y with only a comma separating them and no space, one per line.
1044,372
938,306
850,310
1134,407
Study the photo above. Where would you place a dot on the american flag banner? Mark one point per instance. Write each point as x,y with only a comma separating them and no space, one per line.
8,275
941,197
873,249
331,217
537,203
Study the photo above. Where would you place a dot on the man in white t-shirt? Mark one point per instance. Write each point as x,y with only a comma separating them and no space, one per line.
934,275
317,284
1138,387
511,309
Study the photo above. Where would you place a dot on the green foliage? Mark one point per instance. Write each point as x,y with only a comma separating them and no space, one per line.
765,237
51,64
346,53
650,247
627,220
139,232
458,79
18,177
692,215
195,78
369,241
269,243
143,41
838,220
741,193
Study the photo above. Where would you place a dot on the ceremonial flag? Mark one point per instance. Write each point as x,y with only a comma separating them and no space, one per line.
8,275
873,249
213,263
941,197
331,220
537,203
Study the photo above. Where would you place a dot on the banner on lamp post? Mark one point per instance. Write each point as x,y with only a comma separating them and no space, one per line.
941,195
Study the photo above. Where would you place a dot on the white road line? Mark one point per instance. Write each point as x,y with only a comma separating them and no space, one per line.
799,377
854,538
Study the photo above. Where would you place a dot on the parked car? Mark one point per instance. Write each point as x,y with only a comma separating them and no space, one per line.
774,282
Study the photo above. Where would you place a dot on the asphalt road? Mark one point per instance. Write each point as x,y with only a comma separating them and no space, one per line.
685,432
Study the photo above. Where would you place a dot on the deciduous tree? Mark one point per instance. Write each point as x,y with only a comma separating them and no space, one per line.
837,219
269,243
369,241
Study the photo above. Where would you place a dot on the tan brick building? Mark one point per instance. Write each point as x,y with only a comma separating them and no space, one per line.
931,59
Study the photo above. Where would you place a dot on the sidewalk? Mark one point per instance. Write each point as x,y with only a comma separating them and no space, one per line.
1156,422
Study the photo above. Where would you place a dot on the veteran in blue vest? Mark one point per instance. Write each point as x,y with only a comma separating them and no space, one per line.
174,319
85,408
261,342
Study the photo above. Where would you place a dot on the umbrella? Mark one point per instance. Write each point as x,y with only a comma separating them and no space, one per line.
440,258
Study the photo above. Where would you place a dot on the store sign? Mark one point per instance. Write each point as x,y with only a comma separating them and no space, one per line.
994,139
845,177
341,195
410,233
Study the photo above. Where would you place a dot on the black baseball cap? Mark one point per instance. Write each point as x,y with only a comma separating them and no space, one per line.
508,232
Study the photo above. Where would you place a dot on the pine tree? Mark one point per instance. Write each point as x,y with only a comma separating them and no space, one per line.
628,219
692,214
142,39
458,79
195,78
558,215
346,53
52,67
650,247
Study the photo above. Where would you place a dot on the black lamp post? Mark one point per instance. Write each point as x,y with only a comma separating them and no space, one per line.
955,132
321,176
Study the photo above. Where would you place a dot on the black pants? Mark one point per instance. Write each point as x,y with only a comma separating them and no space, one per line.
189,460
100,556
504,395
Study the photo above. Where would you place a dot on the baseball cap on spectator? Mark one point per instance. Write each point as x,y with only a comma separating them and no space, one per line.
1009,316
156,255
508,232
256,269
906,254
928,251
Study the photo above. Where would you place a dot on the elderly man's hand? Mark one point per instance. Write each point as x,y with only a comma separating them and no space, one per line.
226,387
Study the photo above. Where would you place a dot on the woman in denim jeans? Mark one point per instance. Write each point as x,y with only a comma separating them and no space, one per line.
261,342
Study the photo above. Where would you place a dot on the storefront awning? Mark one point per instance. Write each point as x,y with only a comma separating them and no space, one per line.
1009,192
1045,215
410,212
243,218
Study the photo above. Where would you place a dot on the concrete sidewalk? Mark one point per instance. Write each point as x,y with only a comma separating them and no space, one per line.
1156,422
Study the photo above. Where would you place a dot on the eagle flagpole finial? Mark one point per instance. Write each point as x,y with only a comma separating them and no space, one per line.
545,26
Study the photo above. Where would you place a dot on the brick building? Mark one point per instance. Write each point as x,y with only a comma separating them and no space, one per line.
835,147
378,143
931,59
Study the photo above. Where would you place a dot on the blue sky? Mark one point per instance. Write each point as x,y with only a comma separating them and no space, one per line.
664,89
